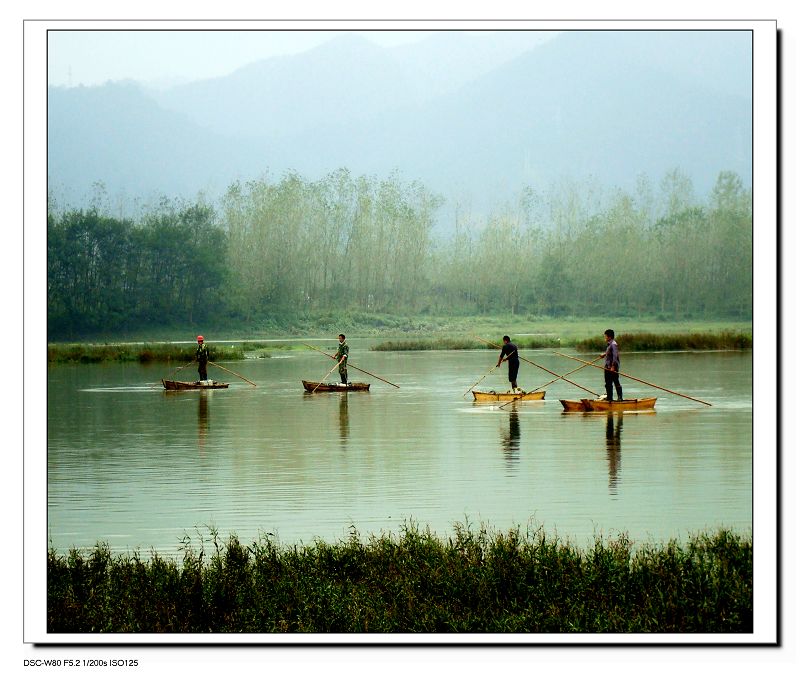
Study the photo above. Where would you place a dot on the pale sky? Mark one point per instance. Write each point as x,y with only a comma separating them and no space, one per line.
165,57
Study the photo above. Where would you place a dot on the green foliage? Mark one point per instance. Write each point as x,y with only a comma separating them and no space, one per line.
107,274
473,581
279,251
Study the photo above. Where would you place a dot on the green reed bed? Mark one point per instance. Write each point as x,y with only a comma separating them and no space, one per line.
441,344
415,582
639,341
456,344
142,353
642,341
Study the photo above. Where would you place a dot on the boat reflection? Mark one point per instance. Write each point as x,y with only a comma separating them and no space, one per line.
613,449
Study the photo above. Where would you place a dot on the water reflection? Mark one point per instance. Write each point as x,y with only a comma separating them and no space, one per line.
510,440
202,421
344,419
613,449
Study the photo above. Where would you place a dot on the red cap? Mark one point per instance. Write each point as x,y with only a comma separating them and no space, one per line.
199,337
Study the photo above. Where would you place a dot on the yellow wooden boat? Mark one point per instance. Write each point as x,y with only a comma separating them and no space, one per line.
508,396
596,405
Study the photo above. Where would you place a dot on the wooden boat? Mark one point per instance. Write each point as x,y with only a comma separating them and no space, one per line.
316,387
175,385
508,396
572,406
597,405
594,405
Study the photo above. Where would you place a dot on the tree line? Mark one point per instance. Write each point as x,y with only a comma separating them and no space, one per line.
389,246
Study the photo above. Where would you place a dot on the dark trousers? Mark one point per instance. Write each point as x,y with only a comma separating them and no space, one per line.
612,380
343,374
201,369
513,369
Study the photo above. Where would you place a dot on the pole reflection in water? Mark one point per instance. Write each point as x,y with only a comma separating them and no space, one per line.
613,449
510,441
344,419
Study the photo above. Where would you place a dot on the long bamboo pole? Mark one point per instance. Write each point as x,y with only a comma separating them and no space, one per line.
591,391
493,368
352,366
636,379
562,376
232,372
182,367
516,398
326,376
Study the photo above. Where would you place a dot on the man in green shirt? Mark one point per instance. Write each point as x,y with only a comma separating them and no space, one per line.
341,355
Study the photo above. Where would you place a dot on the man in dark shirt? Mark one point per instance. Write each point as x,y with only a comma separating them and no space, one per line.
201,355
611,366
509,351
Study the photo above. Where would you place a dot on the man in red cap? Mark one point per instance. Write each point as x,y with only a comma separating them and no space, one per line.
201,354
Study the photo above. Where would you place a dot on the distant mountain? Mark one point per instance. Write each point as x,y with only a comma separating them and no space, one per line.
117,135
347,80
467,114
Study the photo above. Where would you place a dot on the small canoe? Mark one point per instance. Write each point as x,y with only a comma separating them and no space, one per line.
592,405
330,386
175,385
508,396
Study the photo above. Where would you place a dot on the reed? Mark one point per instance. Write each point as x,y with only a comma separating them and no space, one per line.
699,341
475,580
440,344
141,353
460,344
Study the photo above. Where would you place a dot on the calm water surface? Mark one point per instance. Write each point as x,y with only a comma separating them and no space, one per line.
141,468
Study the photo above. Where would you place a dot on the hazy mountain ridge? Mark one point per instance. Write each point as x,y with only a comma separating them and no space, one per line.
605,104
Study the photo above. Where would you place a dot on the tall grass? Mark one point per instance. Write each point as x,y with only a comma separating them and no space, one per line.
416,582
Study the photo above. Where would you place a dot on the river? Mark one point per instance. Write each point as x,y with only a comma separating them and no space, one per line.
143,469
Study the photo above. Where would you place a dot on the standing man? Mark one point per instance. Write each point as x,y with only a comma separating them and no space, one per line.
341,355
509,350
611,366
201,355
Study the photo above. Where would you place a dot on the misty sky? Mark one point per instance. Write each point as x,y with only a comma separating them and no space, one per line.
168,57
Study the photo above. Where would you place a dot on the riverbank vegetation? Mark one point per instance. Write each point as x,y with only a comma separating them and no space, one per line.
721,341
709,341
475,581
725,340
143,353
276,254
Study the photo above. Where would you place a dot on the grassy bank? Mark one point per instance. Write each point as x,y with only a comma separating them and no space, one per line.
726,340
416,582
306,325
